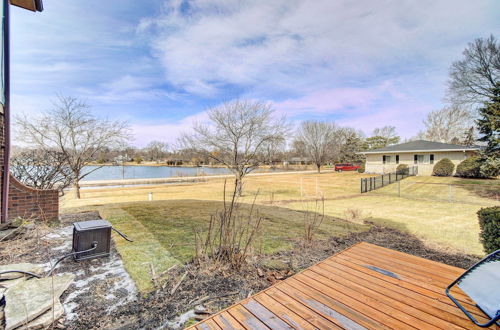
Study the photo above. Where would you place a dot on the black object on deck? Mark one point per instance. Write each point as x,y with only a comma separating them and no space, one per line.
86,234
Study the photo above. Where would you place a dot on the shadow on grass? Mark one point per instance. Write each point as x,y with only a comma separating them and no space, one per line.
489,191
174,222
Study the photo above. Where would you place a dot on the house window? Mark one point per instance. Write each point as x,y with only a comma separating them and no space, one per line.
431,159
418,159
386,159
397,159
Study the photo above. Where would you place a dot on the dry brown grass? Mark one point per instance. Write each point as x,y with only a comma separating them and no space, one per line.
422,210
271,188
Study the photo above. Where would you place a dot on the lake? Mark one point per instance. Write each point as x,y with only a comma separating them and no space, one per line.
148,172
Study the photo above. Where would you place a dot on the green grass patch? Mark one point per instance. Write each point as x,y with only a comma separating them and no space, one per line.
163,232
144,252
173,223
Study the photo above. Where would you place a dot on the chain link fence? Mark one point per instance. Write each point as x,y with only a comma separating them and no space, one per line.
477,194
376,182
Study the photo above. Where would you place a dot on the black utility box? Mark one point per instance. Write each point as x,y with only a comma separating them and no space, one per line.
85,233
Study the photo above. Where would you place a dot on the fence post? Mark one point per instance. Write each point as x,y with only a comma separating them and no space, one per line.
399,188
390,178
383,179
366,185
361,185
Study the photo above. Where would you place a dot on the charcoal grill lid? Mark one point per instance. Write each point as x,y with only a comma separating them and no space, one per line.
91,224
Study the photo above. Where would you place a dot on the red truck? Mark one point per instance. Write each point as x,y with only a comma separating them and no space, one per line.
346,167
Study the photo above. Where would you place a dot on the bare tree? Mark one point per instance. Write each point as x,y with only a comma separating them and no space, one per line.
70,129
318,139
446,124
388,132
271,150
236,135
156,150
41,169
473,78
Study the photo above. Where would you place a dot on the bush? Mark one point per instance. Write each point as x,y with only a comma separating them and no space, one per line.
444,167
490,168
403,169
489,222
138,159
470,168
362,168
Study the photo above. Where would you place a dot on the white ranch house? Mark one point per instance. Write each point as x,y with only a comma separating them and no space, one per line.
420,153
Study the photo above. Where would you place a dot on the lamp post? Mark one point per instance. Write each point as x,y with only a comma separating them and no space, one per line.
33,5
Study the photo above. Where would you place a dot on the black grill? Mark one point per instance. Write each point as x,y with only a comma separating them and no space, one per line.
86,234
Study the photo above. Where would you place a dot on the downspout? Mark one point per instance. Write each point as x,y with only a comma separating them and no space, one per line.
6,111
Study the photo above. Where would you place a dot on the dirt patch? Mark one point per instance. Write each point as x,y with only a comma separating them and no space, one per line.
99,282
184,288
69,218
387,237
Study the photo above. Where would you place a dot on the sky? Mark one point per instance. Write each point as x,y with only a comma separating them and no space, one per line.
161,64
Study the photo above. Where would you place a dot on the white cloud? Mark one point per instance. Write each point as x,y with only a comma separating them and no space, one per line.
168,132
292,45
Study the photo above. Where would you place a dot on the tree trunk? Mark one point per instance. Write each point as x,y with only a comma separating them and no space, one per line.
239,185
319,167
76,186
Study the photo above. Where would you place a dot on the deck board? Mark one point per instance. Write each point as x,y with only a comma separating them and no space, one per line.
363,287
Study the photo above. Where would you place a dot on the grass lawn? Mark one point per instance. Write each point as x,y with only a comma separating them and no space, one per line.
270,187
163,232
163,229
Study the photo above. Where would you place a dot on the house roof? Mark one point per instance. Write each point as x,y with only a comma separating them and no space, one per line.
421,146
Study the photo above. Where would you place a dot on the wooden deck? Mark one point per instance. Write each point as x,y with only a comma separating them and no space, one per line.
364,286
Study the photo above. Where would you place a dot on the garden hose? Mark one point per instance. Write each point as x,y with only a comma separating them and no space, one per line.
122,235
94,246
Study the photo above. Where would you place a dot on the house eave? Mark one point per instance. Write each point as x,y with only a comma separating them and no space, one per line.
374,152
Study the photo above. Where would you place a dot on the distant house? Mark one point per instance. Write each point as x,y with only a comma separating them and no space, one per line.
420,153
298,161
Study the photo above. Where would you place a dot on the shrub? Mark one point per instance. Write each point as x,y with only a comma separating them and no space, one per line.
402,169
362,168
444,167
490,168
489,222
470,168
138,159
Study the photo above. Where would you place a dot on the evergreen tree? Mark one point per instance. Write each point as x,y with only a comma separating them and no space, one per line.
348,151
376,142
469,137
489,124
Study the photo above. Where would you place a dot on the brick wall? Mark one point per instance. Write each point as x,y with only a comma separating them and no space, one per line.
27,202
24,201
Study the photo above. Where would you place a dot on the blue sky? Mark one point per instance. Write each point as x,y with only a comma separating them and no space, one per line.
159,64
